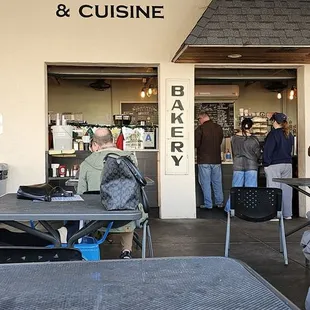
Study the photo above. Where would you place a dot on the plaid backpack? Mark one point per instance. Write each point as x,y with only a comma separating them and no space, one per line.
122,185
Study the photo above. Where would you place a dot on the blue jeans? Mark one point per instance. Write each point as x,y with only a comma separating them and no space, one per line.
243,178
207,175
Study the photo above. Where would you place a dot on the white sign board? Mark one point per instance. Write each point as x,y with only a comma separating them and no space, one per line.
177,126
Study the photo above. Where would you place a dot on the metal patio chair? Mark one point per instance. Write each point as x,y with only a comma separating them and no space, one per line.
144,225
256,204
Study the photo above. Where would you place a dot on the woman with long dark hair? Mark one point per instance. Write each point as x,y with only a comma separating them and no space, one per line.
277,159
246,152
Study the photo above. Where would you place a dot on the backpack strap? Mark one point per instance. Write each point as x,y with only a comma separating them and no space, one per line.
134,170
145,201
113,155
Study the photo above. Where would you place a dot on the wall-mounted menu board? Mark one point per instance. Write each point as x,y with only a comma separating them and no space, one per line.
141,111
220,113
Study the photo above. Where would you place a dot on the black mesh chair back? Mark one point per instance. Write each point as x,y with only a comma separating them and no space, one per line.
255,204
10,255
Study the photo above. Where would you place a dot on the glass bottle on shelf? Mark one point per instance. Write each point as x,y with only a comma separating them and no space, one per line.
228,155
86,141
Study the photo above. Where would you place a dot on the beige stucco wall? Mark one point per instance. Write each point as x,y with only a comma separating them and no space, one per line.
32,35
36,34
303,86
177,191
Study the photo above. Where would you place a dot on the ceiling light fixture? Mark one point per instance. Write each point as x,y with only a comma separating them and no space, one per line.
150,90
234,56
142,94
279,95
293,93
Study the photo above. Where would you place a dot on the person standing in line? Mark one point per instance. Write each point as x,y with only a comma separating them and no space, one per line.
246,152
208,140
277,159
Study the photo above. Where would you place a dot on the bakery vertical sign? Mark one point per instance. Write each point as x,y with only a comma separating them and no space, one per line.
177,122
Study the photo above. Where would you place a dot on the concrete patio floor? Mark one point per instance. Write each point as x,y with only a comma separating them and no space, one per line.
256,244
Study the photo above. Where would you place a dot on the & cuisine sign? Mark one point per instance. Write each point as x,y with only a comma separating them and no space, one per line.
113,11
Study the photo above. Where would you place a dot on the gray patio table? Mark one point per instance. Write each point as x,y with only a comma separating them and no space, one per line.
296,183
185,283
13,210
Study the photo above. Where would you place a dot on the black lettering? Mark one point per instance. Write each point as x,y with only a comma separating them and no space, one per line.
156,11
132,14
175,131
176,118
177,91
62,11
81,10
141,10
176,160
177,146
112,11
98,14
177,105
122,11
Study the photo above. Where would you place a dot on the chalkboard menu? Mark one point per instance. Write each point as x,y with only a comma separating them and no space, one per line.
220,113
141,112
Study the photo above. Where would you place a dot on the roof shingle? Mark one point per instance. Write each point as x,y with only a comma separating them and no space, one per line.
253,22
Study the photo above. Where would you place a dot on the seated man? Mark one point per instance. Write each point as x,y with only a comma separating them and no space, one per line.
89,180
90,174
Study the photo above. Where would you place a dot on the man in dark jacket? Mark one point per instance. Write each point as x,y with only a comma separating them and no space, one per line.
208,140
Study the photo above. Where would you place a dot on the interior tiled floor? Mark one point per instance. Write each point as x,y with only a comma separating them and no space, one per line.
256,244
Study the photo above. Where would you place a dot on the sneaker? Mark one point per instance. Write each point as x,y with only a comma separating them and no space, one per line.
204,207
274,220
221,206
125,255
63,234
287,217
